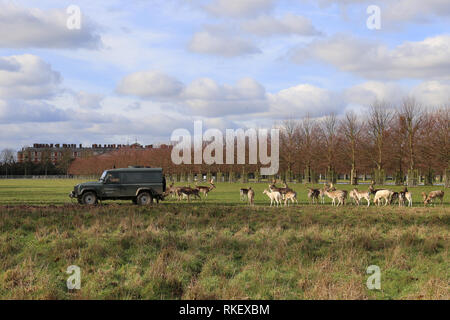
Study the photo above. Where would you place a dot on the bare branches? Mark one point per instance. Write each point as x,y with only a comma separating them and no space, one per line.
380,117
412,114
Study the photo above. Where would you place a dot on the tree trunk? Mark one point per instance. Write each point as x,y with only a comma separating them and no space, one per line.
354,177
379,176
429,177
447,178
413,178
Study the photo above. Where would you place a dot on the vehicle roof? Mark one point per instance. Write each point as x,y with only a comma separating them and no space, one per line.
135,170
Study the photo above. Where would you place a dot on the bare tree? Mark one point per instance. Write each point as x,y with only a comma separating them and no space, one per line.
65,161
307,137
380,117
329,126
46,159
7,157
289,137
352,127
399,143
412,113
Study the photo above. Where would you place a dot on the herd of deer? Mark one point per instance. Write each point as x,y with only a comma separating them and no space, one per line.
187,192
338,197
380,195
275,194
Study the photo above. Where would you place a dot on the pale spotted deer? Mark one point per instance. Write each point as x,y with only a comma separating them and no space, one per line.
383,194
359,195
275,196
292,196
403,196
251,196
339,195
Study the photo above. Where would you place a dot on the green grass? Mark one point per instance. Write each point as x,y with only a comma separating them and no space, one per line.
55,192
217,249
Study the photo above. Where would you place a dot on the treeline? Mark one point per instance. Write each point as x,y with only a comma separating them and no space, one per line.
29,168
408,142
10,167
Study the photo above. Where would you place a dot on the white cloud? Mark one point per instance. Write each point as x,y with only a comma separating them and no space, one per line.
149,84
220,43
202,97
416,10
9,64
303,99
27,77
429,58
134,106
36,28
207,98
88,100
367,92
432,93
401,11
286,25
239,8
17,111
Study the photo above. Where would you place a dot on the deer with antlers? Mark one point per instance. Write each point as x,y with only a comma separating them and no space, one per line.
282,191
204,189
187,192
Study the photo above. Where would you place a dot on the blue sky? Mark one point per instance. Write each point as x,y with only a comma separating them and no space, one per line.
140,69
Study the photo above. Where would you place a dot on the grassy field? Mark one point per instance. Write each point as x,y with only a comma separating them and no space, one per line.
218,248
55,192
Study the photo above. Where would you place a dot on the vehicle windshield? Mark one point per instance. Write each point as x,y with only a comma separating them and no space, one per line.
102,178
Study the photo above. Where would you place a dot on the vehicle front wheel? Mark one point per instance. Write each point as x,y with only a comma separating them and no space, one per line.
144,199
89,198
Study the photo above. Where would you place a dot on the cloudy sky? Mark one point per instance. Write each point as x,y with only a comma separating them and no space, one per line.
140,69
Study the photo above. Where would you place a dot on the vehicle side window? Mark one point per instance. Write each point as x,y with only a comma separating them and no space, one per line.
142,177
113,177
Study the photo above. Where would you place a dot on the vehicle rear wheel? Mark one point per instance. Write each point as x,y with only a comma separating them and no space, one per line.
89,198
144,199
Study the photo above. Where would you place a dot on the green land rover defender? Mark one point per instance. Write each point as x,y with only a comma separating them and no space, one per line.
141,185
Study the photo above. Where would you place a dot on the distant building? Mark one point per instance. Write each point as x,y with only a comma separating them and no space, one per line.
56,152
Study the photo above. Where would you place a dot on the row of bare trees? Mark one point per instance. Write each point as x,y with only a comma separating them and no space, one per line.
408,142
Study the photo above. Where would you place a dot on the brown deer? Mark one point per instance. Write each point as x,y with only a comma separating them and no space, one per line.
204,189
171,191
427,199
244,193
313,195
282,191
187,192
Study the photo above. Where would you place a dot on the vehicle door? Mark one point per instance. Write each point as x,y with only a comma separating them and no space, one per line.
112,186
130,183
